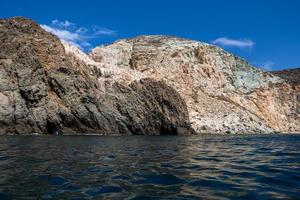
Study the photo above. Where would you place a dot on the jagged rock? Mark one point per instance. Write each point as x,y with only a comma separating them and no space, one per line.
43,89
223,92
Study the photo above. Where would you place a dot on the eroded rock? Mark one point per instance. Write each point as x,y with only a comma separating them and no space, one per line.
223,92
43,89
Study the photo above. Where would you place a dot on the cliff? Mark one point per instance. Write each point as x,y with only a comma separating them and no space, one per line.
144,85
292,76
223,92
43,89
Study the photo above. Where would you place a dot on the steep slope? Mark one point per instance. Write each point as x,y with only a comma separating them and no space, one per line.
43,89
291,75
223,92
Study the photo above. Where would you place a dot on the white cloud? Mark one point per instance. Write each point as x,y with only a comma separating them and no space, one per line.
65,23
266,65
72,38
103,31
62,34
81,30
78,36
240,43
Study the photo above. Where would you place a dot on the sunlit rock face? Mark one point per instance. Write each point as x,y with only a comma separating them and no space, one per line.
144,85
292,76
48,87
223,92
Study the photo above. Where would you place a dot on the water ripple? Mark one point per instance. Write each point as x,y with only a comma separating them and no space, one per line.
146,167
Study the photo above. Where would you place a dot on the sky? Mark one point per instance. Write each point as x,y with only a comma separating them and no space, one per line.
264,32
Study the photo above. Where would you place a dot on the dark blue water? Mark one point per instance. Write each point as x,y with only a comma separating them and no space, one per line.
149,167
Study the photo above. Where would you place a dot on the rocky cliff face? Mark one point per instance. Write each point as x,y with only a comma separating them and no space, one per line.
290,75
145,85
223,93
44,89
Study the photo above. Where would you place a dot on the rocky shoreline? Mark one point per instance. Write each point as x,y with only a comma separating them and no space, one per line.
149,85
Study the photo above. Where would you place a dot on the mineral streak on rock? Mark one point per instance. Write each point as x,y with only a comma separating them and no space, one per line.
46,89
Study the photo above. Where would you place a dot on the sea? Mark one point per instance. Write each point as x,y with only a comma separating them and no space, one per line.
150,167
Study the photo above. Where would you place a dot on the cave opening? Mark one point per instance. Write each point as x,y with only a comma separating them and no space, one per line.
52,128
168,129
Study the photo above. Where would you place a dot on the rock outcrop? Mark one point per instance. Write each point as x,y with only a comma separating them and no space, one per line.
290,75
44,89
224,93
144,85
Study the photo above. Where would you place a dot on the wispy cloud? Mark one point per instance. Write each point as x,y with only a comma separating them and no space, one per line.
76,35
103,31
68,36
62,24
265,65
228,42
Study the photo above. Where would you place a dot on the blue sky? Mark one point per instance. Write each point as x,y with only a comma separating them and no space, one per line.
266,33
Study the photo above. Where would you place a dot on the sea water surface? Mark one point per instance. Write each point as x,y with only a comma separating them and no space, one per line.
150,167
